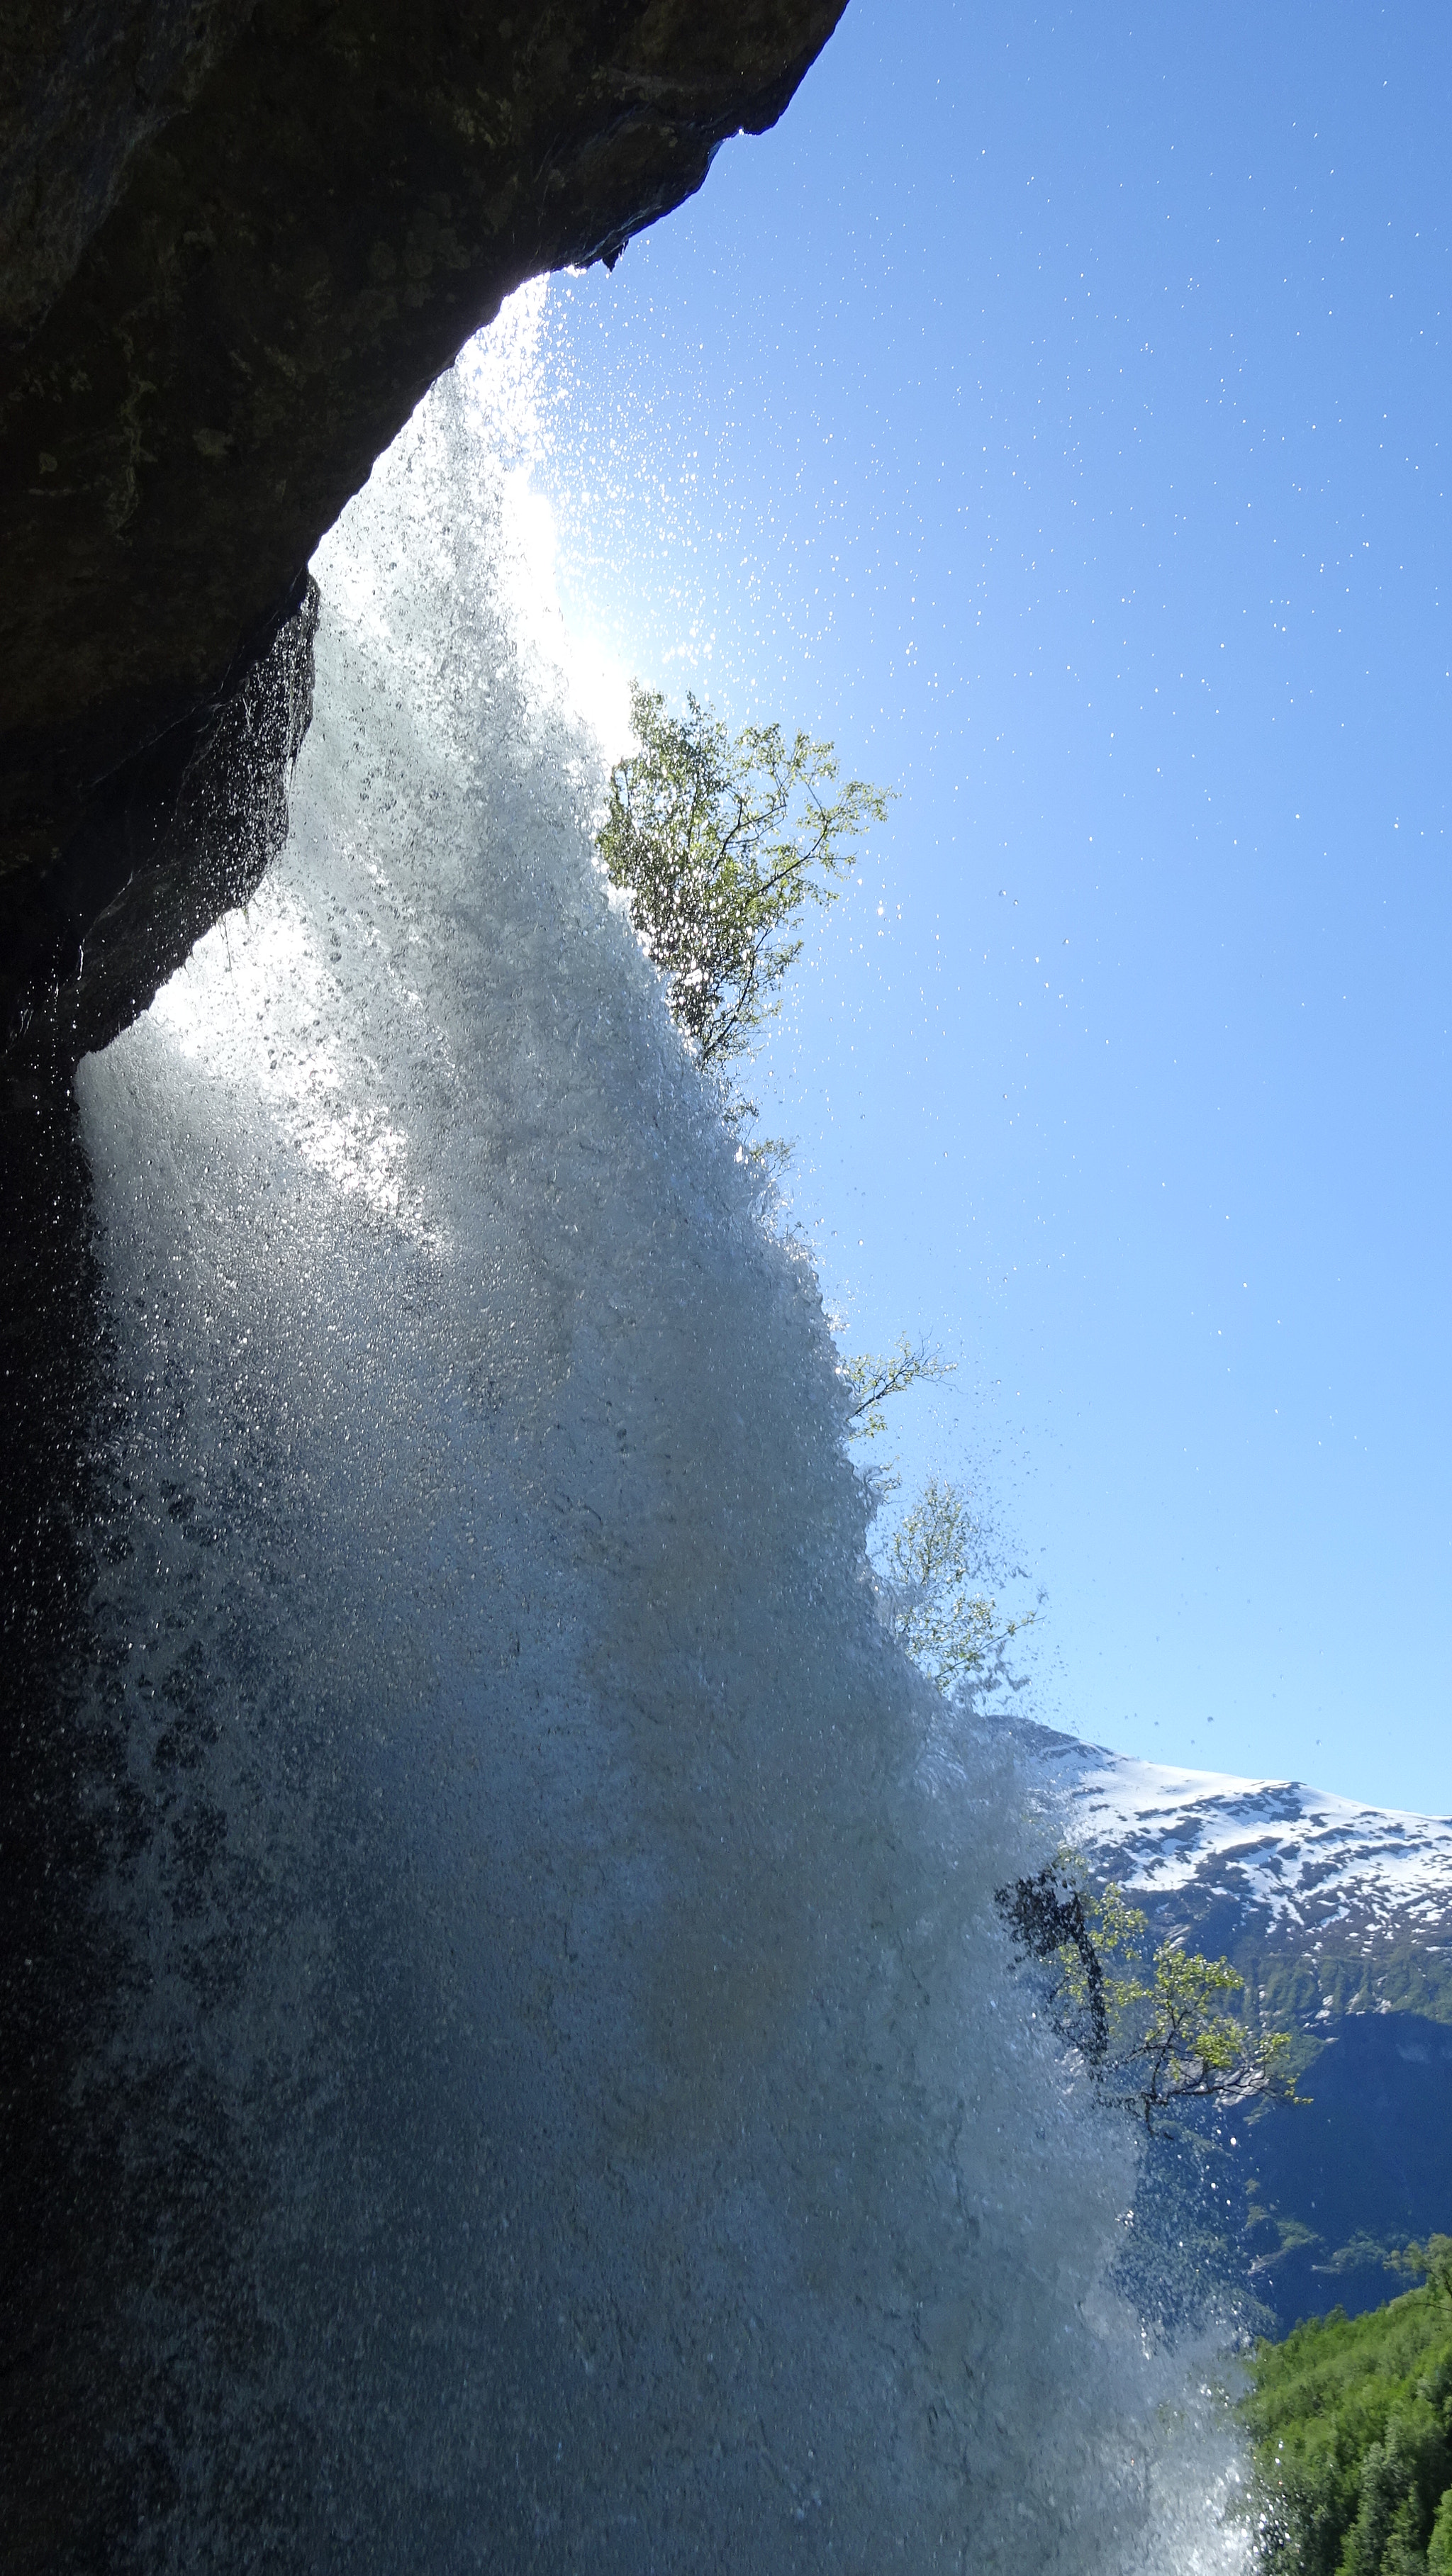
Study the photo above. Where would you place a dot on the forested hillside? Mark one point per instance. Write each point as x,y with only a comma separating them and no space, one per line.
1351,2420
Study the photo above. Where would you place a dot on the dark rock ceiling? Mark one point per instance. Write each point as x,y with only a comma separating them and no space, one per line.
238,239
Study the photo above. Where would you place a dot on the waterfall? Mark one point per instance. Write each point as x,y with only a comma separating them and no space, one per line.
555,2094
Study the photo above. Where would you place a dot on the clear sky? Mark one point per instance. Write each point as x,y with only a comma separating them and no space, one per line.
1052,411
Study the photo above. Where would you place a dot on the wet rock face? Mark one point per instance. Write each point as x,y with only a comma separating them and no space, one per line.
238,243
173,839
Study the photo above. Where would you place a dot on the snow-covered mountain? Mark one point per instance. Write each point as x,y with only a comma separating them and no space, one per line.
1277,1864
1339,1917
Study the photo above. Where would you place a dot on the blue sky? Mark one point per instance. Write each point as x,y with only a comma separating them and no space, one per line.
1050,410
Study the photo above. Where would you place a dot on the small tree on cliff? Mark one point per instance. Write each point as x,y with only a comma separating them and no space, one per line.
875,1380
720,843
931,1570
931,1585
1151,2025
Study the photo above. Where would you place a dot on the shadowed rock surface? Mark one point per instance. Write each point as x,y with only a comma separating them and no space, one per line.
170,842
236,245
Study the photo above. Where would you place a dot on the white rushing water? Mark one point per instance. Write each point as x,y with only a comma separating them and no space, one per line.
584,2116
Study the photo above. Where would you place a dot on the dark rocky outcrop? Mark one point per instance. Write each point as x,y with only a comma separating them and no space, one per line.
175,838
240,238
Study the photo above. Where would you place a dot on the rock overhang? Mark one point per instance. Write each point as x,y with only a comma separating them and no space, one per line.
240,241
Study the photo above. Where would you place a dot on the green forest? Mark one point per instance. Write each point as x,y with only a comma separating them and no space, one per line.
1351,2425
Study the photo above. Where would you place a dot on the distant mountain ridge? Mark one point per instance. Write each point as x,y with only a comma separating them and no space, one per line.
1339,1917
1362,1895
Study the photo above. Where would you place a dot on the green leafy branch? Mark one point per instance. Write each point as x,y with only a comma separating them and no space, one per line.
719,842
930,1572
1153,2024
931,1596
874,1380
1430,2262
